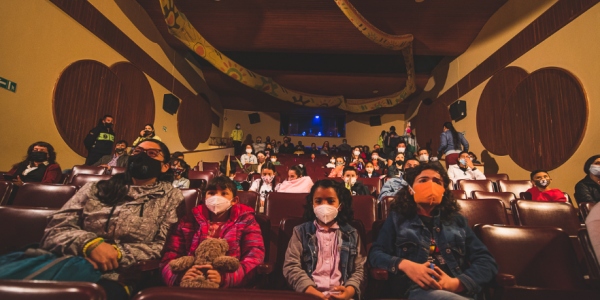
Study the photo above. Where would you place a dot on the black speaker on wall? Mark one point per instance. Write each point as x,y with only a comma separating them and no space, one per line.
254,118
458,110
375,121
170,103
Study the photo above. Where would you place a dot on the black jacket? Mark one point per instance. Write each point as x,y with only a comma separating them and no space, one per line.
360,189
587,190
289,149
374,175
100,140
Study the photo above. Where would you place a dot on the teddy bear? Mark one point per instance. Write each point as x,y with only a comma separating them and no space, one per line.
209,252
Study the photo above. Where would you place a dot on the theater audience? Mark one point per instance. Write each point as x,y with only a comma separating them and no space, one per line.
474,158
450,144
588,189
393,185
255,168
338,171
325,150
146,134
265,184
344,147
424,227
394,170
274,160
119,159
464,170
541,190
356,160
237,135
248,157
336,267
118,222
220,216
400,149
259,145
592,223
297,181
299,149
180,174
287,147
331,163
38,166
370,171
352,183
377,149
424,156
99,141
378,162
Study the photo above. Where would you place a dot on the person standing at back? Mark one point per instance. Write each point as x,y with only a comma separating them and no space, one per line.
344,147
450,144
237,134
100,140
392,139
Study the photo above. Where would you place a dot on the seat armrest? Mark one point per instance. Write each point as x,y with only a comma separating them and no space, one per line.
147,265
379,274
505,280
265,268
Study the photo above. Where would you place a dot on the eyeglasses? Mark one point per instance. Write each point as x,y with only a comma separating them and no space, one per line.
151,152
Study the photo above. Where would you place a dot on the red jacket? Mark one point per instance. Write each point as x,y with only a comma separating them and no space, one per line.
52,175
241,232
551,195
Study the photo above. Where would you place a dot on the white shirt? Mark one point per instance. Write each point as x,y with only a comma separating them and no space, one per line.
330,165
264,189
249,159
456,174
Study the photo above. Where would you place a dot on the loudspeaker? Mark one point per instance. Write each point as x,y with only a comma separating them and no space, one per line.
254,118
375,121
458,110
170,103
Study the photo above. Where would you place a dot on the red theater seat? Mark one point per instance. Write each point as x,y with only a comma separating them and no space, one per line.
506,197
365,210
585,208
475,185
483,211
496,177
45,195
386,203
279,206
205,175
5,190
375,182
282,171
50,290
176,293
21,226
116,170
191,198
211,166
459,194
86,170
248,198
514,186
240,177
81,179
556,214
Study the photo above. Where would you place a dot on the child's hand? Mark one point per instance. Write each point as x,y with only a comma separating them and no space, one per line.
212,275
192,273
346,292
448,283
421,274
311,290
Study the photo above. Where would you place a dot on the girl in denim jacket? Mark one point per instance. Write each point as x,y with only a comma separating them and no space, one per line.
427,246
324,256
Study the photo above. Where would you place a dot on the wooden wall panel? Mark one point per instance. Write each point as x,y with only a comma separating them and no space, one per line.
137,109
429,125
193,124
86,90
545,119
491,108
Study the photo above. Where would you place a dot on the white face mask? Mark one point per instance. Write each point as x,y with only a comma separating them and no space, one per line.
217,204
332,161
238,127
375,157
248,151
326,213
356,153
351,180
273,159
595,170
401,150
424,157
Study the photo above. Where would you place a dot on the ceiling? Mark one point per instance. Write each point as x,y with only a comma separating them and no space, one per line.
311,46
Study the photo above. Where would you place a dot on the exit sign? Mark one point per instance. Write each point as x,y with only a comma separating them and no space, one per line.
7,84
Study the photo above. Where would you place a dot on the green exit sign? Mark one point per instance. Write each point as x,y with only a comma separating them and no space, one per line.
7,84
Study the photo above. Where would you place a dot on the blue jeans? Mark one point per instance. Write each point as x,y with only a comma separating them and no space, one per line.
421,294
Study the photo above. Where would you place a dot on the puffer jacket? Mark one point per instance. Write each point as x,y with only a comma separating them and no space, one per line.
138,227
587,190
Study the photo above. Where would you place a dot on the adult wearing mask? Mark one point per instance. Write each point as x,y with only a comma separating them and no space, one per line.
465,170
237,134
424,156
99,141
395,169
541,190
259,145
119,159
146,134
344,147
248,158
38,166
400,149
118,222
256,168
450,144
427,246
588,189
393,185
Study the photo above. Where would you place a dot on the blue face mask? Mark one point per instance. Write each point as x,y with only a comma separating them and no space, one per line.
463,161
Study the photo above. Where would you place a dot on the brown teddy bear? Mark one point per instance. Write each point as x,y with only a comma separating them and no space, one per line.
209,252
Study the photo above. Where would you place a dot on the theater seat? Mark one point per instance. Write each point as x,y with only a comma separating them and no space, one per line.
117,170
555,214
5,190
376,182
483,211
248,198
211,166
386,203
585,208
176,293
205,175
191,198
496,177
459,194
90,170
365,210
282,171
506,197
81,179
475,185
21,226
514,186
50,290
240,177
589,254
44,195
535,263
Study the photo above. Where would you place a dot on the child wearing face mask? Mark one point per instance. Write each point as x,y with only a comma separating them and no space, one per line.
338,171
331,163
352,184
274,160
427,247
180,173
297,181
265,184
221,216
248,157
542,191
370,171
325,256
